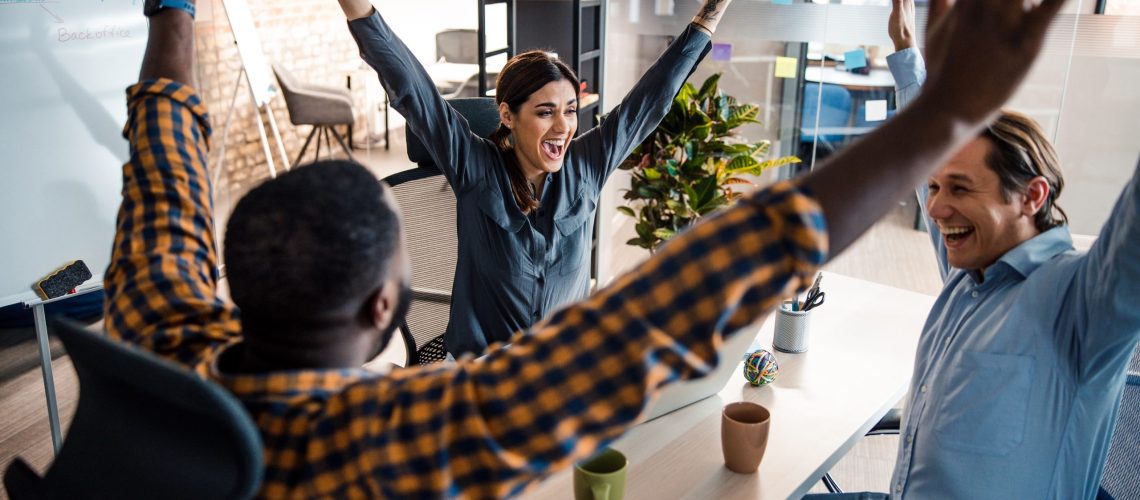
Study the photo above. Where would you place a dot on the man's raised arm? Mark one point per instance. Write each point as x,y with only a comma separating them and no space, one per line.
996,38
161,287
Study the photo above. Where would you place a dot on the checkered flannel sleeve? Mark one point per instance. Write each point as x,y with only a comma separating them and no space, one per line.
161,284
491,427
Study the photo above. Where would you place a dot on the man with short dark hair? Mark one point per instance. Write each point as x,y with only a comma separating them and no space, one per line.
1022,361
484,427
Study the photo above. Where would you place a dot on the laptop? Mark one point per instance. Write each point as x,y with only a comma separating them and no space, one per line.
681,394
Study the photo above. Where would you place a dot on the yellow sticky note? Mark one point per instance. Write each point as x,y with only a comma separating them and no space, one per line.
785,67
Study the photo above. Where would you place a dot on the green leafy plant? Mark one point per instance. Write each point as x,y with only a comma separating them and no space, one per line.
687,168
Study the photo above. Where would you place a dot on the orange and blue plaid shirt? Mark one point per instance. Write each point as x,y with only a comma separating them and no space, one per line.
486,427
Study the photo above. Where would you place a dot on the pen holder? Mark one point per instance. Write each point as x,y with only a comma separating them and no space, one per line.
792,329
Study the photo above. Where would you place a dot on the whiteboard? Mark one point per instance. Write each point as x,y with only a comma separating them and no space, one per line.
63,70
249,49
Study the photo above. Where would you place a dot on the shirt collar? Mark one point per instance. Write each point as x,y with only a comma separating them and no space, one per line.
281,384
1030,254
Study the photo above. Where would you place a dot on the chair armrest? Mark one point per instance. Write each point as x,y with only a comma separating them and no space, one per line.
431,295
889,424
327,89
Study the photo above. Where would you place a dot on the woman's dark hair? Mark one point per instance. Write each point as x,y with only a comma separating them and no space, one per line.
1022,152
523,75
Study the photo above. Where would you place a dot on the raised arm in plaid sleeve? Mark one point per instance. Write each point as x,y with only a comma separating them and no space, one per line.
161,285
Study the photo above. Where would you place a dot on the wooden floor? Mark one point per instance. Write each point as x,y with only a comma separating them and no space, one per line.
891,253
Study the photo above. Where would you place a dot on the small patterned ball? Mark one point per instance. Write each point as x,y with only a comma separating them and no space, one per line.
760,367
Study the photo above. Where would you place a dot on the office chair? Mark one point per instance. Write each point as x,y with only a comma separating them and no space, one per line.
144,428
834,110
457,46
320,106
1121,477
428,205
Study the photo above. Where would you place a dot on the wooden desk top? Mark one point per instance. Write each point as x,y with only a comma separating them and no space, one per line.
858,366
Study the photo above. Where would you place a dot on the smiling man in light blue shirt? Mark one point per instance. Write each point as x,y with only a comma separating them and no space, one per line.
1021,364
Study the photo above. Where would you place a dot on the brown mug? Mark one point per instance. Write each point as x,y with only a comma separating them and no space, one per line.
744,435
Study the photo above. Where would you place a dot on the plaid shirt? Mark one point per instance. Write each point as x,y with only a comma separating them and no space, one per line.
487,427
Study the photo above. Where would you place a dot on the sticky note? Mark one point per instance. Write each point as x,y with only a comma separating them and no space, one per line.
876,111
721,51
855,59
782,2
785,67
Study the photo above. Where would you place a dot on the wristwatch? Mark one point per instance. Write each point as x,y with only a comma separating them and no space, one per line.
152,7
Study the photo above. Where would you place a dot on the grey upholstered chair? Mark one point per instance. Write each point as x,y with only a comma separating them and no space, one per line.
321,106
144,428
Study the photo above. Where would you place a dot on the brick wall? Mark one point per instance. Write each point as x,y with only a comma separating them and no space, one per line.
309,38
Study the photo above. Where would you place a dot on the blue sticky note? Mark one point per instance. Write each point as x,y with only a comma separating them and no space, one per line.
855,59
782,2
721,51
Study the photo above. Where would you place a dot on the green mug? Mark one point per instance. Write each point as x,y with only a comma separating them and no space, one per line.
601,477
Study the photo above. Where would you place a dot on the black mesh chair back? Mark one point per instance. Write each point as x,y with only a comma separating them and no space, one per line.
144,428
482,116
1122,467
428,208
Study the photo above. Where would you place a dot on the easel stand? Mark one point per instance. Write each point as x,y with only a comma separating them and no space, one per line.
37,307
257,109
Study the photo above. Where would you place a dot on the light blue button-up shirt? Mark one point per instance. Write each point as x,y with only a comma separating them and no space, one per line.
1018,377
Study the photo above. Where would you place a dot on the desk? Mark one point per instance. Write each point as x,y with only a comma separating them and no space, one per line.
823,401
878,79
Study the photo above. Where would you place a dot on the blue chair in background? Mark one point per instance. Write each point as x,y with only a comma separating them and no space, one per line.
832,104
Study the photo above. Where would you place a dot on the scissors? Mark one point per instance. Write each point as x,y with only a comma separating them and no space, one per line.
814,299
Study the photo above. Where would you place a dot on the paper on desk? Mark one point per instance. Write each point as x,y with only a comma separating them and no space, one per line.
854,59
876,110
785,67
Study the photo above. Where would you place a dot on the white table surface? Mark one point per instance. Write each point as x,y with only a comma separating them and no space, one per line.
823,401
878,78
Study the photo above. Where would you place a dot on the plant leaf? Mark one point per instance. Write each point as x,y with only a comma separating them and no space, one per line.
778,162
652,174
709,87
626,210
742,163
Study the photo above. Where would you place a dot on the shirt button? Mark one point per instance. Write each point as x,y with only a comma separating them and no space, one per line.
898,488
909,438
974,294
922,389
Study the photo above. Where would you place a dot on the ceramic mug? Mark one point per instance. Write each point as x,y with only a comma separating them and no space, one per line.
744,435
601,477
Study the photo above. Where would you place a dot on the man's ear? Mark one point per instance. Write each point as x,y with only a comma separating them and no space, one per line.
505,116
1033,199
383,307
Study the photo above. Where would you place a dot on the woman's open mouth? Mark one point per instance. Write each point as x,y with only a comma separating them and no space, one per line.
554,148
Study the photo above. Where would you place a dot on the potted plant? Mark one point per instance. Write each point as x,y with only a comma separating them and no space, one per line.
688,166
